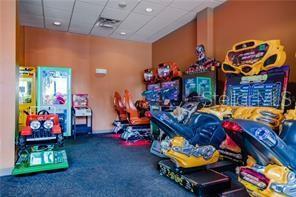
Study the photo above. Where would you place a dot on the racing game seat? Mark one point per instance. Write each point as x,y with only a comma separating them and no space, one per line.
201,128
133,114
119,107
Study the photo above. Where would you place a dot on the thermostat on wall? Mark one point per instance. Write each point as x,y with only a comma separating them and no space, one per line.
101,71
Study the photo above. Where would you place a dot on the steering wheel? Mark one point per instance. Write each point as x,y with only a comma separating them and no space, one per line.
43,112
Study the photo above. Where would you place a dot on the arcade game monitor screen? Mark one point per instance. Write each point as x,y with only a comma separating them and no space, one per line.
171,90
266,90
199,85
154,95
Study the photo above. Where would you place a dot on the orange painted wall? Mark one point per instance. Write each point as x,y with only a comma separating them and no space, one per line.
235,21
178,46
7,84
124,60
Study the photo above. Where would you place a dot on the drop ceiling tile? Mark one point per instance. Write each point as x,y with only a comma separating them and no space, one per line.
32,2
118,36
166,17
31,20
114,13
133,22
30,9
80,29
160,2
138,37
173,26
49,24
141,8
98,31
186,4
56,13
85,13
130,4
59,4
96,2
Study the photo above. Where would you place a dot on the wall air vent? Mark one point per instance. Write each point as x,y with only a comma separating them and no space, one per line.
107,23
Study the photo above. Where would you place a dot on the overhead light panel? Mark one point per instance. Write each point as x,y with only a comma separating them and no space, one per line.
57,23
148,9
122,4
123,33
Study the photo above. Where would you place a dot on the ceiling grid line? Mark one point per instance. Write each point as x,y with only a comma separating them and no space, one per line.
71,15
118,19
98,17
126,17
151,19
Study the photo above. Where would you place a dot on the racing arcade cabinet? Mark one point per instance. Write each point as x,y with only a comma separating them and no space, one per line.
265,89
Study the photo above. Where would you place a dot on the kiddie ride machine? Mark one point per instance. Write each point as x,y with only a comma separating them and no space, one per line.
39,145
41,137
256,82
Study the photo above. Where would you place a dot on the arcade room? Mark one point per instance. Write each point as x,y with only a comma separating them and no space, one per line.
148,98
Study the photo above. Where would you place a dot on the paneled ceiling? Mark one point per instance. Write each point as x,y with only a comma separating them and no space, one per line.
137,20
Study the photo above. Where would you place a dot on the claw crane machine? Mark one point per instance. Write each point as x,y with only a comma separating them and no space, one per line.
54,94
27,93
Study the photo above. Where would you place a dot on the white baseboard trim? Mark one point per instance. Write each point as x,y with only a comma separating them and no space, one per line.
5,171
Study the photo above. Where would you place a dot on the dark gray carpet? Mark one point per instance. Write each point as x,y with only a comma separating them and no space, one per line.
99,166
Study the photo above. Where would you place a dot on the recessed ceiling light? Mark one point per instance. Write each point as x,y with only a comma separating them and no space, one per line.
122,33
57,23
122,4
149,9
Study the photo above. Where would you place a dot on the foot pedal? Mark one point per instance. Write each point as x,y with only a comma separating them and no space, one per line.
204,182
156,149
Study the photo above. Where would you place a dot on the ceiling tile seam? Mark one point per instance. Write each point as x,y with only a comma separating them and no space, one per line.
150,37
165,7
98,17
71,16
43,13
175,20
126,17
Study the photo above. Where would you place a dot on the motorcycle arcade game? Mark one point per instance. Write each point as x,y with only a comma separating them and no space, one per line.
243,90
270,142
163,94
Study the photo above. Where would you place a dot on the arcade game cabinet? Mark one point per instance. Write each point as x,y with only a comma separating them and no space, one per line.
40,141
81,110
54,94
27,93
166,90
247,97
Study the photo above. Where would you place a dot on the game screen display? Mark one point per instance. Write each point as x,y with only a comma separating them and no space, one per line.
264,90
153,93
199,86
170,90
249,56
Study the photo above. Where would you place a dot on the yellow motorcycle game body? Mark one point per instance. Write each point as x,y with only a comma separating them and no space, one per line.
185,155
250,57
277,176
